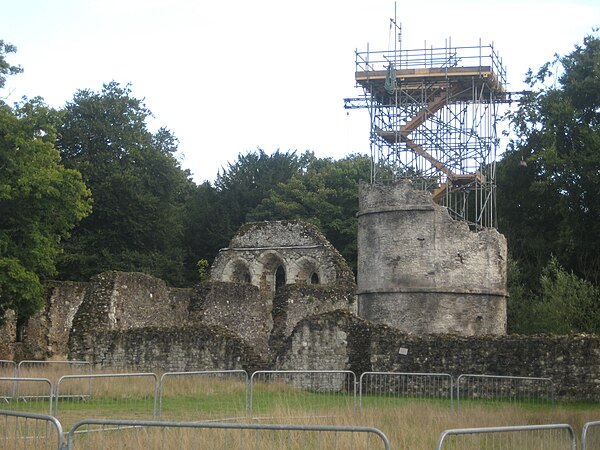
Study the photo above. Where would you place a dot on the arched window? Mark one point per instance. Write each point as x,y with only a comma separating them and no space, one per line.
314,278
240,273
309,271
279,278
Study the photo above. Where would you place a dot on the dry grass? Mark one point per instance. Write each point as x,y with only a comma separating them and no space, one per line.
408,423
414,425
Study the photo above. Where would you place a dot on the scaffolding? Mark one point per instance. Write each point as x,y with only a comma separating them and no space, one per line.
433,118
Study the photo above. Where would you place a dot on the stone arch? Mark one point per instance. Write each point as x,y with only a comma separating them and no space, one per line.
274,271
309,271
237,271
279,277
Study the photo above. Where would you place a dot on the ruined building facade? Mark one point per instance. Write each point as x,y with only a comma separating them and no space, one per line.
422,272
273,275
281,297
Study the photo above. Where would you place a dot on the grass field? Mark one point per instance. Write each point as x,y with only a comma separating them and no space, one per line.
409,423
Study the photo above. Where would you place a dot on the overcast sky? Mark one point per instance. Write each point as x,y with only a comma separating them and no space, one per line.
228,77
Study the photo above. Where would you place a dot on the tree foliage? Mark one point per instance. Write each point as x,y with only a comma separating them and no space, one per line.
562,304
137,184
40,202
251,178
214,213
325,193
553,204
549,204
6,69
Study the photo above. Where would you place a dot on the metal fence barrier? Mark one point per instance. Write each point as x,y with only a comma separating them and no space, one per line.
178,435
505,388
215,394
315,390
389,388
528,437
25,431
8,368
53,370
590,436
29,394
126,394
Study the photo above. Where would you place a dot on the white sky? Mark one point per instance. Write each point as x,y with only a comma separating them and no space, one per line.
227,77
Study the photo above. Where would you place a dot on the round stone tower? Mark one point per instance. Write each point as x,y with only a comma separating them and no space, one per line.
421,271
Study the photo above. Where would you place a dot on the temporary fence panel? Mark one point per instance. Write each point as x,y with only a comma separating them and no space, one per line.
8,368
497,388
161,435
52,370
393,388
26,394
590,436
204,395
297,392
527,437
128,395
25,431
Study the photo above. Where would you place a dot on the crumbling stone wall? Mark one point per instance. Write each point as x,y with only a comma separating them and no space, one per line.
421,271
299,249
191,348
46,333
317,344
8,335
241,308
272,275
342,341
124,301
295,302
128,300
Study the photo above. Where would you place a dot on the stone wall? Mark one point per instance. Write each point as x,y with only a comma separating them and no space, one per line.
240,308
421,271
124,301
343,341
129,300
46,334
296,302
8,335
191,348
297,248
317,344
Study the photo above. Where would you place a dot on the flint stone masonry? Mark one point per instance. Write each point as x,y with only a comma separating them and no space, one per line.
128,300
421,271
295,302
46,334
342,341
259,249
191,348
8,335
241,308
316,345
124,301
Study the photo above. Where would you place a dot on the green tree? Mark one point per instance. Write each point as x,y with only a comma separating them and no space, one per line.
567,303
246,182
552,206
6,69
138,187
40,202
207,226
324,193
214,213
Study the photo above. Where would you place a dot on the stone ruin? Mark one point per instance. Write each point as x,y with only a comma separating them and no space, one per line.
273,275
422,272
431,298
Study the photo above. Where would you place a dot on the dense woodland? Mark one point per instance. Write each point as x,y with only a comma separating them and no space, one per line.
89,188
